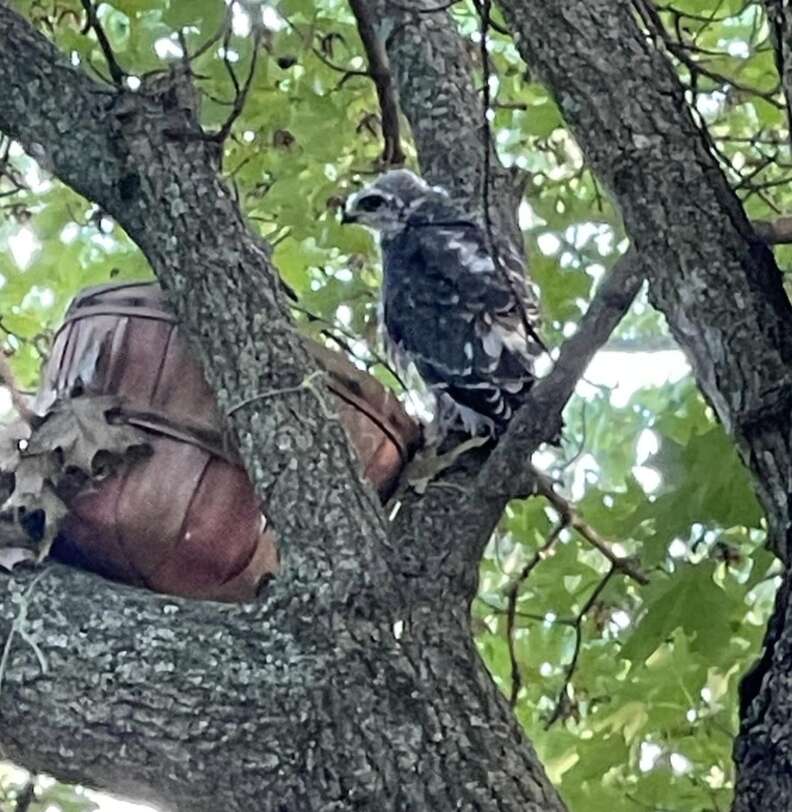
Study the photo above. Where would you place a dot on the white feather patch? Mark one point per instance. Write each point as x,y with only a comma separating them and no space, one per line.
471,256
492,343
512,337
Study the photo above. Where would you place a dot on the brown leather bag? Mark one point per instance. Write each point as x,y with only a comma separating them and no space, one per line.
185,520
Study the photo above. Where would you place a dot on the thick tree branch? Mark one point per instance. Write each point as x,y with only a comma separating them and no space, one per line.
761,749
779,18
201,707
539,420
269,706
434,76
452,522
445,530
393,153
142,157
715,281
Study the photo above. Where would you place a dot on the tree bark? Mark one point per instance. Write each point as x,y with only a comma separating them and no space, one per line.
202,707
354,683
716,283
141,157
762,747
433,69
779,18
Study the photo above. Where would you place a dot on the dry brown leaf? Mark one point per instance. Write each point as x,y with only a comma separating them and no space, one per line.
80,429
74,442
31,521
427,465
30,474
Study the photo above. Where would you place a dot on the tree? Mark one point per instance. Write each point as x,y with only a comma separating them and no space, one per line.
616,628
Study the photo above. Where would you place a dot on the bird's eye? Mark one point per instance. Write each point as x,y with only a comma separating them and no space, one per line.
370,203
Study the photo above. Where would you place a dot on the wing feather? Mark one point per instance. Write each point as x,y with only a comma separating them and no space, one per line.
466,319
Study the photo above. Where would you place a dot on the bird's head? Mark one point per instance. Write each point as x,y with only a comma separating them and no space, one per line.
386,204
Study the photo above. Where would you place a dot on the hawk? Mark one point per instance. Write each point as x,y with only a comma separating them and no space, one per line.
461,315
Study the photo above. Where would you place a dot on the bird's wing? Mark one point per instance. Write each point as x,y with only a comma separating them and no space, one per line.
466,317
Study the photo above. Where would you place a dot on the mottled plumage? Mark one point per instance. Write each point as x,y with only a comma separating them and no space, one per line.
448,307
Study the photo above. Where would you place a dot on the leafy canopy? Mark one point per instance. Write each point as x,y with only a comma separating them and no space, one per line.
628,692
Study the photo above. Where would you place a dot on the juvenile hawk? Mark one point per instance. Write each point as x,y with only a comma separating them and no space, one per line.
448,307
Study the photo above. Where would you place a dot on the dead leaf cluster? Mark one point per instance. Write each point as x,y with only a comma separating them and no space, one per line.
46,460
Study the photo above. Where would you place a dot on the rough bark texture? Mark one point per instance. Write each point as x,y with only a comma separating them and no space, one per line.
762,750
715,281
204,707
434,74
355,683
717,285
779,17
138,157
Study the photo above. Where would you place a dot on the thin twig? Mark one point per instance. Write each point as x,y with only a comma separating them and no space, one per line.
485,8
117,73
573,519
240,94
563,695
308,384
511,607
26,796
708,19
379,70
334,325
224,27
7,172
535,616
432,10
348,72
653,21
227,62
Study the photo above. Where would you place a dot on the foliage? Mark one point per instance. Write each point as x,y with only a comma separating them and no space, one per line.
629,697
40,794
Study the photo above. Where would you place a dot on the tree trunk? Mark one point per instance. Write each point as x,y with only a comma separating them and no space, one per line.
280,707
355,682
715,281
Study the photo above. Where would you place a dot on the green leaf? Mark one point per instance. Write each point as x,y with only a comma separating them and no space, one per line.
692,601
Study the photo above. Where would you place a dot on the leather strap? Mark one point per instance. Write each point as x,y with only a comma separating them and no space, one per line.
363,406
195,434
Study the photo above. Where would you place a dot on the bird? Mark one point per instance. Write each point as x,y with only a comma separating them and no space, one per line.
455,301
